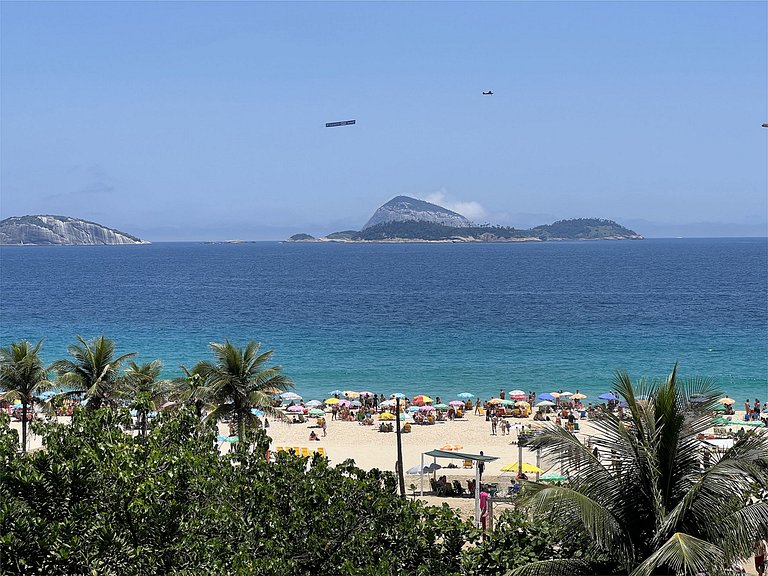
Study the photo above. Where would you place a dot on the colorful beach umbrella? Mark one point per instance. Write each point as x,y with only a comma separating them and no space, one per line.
726,401
386,416
336,392
553,477
398,395
388,404
456,403
544,403
566,394
546,396
555,394
607,396
422,399
522,403
413,409
351,394
442,406
366,393
495,401
465,395
526,469
313,404
295,408
290,396
427,408
316,412
331,400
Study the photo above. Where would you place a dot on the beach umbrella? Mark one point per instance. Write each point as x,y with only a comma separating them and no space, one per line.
419,470
495,401
335,392
316,412
457,403
257,412
331,400
398,395
555,394
566,394
290,396
422,399
719,409
230,439
465,395
432,467
295,408
351,394
553,477
451,447
313,404
507,402
522,403
413,408
388,404
386,416
427,408
544,403
526,469
578,396
607,396
546,396
726,400
517,393
355,403
366,393
624,404
442,406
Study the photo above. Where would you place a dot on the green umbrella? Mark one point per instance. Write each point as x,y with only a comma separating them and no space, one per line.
553,477
719,408
316,412
442,406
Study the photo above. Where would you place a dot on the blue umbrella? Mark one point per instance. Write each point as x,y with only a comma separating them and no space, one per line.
465,395
546,396
607,396
413,409
339,392
398,395
257,412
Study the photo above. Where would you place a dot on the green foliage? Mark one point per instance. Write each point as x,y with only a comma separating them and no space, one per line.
97,500
517,541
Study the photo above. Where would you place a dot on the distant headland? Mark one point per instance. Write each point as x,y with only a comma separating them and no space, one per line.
45,230
405,219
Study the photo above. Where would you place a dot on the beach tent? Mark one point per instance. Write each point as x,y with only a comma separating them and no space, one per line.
461,456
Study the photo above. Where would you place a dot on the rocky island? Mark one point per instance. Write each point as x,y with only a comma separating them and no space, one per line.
45,230
405,219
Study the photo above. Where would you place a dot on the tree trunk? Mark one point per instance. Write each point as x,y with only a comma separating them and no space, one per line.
24,426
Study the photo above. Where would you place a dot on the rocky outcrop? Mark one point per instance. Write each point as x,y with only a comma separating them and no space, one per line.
52,230
405,209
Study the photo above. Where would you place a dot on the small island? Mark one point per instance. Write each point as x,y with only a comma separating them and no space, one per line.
46,230
405,219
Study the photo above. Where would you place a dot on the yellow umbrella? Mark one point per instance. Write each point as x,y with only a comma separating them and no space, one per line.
386,416
579,396
527,468
331,400
495,401
726,400
351,394
522,403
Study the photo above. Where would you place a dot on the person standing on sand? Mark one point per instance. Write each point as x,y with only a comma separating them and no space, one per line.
480,467
760,551
494,423
325,427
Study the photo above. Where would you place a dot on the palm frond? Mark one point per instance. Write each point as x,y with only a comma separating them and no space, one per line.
685,555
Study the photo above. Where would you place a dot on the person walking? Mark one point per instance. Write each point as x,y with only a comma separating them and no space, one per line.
760,552
494,423
325,427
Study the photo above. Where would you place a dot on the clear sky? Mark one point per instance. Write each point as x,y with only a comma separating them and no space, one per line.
204,121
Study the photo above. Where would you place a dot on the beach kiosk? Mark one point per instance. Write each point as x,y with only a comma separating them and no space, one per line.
435,454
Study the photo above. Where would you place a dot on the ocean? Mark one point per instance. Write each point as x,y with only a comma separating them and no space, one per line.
438,319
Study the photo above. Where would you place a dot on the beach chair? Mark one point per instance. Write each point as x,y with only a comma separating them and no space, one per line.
458,488
321,451
305,452
468,464
296,450
279,448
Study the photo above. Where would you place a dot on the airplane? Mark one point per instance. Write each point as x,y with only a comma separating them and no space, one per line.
489,93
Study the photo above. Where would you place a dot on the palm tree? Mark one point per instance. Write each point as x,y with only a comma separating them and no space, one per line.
23,377
654,508
240,381
94,370
191,389
140,383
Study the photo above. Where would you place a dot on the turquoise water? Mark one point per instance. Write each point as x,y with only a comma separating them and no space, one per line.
438,319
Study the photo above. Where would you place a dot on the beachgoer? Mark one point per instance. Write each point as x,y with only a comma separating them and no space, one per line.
494,423
501,394
596,453
509,428
313,436
747,407
760,552
484,510
325,427
266,422
480,467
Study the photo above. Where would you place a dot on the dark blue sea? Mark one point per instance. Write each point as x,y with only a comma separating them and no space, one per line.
433,318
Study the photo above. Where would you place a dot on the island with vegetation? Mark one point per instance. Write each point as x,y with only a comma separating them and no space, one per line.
405,219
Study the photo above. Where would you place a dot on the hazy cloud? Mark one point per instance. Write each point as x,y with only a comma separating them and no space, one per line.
471,209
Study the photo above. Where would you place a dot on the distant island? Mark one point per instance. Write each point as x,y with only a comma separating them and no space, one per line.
46,230
405,219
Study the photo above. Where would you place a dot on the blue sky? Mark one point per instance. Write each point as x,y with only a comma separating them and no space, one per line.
205,121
